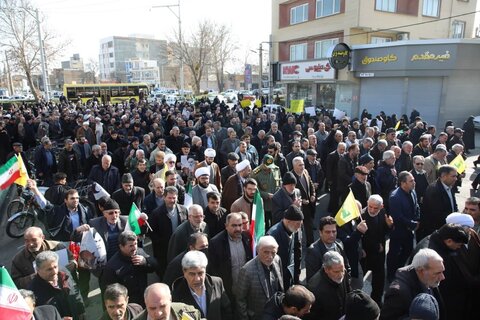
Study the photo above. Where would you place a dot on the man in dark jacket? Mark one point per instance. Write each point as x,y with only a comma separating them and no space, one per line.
422,276
327,242
331,169
56,288
222,263
128,194
289,238
164,220
346,169
196,285
387,175
296,301
106,175
116,303
373,243
130,267
69,162
56,193
360,187
330,287
45,162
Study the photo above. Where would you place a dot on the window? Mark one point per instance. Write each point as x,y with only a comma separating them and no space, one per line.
111,54
322,47
112,65
327,7
431,8
458,29
386,5
299,14
298,52
376,40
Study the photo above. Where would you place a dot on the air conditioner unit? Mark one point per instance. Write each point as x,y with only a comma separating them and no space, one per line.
402,36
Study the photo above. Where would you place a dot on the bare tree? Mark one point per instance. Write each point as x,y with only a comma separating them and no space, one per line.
92,70
19,36
208,45
222,53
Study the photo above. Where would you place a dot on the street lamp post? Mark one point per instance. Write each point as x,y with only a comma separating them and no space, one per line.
169,6
42,57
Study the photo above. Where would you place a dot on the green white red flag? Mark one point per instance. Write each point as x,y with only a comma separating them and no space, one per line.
12,304
188,196
257,225
14,171
136,219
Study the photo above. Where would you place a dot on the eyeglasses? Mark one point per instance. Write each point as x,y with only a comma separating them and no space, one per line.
171,162
419,164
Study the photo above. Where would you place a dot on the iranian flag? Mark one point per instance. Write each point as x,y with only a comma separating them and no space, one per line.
257,225
12,304
13,171
188,196
136,219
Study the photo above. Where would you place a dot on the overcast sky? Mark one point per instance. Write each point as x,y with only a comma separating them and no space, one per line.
85,22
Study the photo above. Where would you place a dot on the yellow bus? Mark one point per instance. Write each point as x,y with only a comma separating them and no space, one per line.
105,92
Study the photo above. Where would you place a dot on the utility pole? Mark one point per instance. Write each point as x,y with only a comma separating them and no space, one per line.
42,57
180,40
260,66
270,69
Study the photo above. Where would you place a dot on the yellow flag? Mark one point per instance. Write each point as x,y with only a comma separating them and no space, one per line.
459,163
348,211
186,316
258,103
397,126
245,103
297,106
22,180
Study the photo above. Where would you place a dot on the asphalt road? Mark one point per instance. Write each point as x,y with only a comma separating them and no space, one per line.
9,247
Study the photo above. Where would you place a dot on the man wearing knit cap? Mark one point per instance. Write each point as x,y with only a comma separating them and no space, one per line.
233,188
424,307
215,174
359,306
287,195
289,238
128,194
204,186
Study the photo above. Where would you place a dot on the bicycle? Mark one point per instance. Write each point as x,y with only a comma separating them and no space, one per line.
26,217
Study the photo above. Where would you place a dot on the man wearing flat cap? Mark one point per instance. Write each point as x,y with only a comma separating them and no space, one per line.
287,195
230,169
288,234
267,175
204,186
215,174
233,188
128,194
360,187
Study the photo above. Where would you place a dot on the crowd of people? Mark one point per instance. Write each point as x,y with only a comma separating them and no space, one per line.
194,171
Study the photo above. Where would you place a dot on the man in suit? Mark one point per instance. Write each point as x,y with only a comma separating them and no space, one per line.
179,239
155,198
209,140
309,198
128,194
285,196
327,242
434,161
203,187
228,252
214,169
233,188
196,285
196,241
439,201
289,238
164,220
379,225
45,162
332,167
259,280
159,305
230,144
405,212
110,226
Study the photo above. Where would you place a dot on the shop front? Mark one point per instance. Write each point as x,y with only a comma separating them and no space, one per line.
311,81
431,76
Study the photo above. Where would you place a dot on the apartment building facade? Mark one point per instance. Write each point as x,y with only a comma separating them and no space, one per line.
304,31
